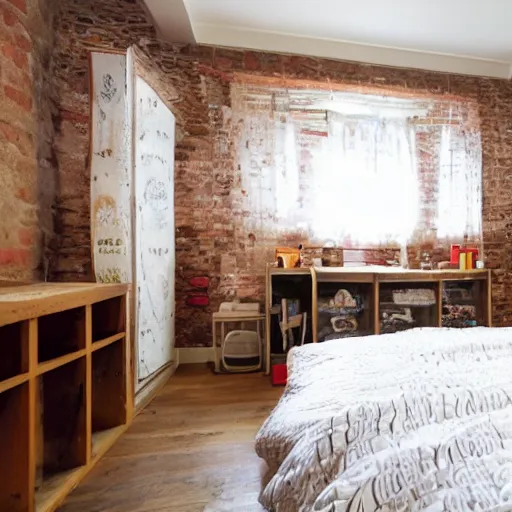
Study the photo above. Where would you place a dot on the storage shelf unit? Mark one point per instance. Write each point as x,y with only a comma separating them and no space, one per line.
64,399
290,284
374,286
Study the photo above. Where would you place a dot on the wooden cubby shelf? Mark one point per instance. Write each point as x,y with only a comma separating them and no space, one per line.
108,318
14,461
449,298
108,392
60,334
61,437
66,387
13,351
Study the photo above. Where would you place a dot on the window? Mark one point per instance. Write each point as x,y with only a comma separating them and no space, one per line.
359,170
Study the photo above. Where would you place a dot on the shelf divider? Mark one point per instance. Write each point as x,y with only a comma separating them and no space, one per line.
97,345
5,385
53,364
88,383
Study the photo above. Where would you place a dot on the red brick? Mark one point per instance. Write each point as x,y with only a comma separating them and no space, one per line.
24,43
13,53
19,97
223,63
19,257
21,5
25,195
16,77
95,38
17,136
8,16
75,117
251,61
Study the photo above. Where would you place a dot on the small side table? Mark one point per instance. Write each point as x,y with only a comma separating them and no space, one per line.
223,317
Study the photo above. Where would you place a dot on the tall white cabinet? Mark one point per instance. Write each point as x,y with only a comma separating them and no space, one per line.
132,202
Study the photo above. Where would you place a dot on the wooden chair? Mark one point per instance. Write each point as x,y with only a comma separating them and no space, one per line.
289,323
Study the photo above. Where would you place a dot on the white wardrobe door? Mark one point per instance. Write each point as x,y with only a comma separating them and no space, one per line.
153,139
111,169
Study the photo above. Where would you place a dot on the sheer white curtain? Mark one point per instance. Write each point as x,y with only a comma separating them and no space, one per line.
286,161
268,155
366,183
460,185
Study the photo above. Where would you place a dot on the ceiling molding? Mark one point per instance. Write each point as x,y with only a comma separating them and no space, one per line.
240,37
171,20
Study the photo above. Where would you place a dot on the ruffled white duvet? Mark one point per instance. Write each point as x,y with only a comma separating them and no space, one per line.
418,420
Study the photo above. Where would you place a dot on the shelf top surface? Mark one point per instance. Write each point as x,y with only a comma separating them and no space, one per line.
396,274
237,315
24,301
279,271
12,292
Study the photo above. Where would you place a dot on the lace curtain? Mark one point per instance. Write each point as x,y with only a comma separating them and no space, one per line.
366,184
356,185
287,171
460,185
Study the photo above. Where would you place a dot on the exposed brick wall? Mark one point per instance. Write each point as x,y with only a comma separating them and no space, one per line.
27,170
209,239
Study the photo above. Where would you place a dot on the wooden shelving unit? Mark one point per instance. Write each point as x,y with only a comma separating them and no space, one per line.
383,280
66,387
293,283
373,285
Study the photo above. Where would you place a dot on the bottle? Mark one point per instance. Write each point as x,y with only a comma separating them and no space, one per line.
463,259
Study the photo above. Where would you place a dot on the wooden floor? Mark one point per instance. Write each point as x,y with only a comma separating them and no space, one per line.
191,449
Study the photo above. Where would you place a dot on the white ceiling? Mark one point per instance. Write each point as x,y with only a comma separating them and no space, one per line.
461,36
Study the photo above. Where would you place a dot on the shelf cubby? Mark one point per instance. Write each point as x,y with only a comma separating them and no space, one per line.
464,304
14,446
64,421
108,392
60,334
13,351
360,313
108,318
415,314
291,284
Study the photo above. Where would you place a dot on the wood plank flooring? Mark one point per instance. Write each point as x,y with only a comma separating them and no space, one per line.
190,450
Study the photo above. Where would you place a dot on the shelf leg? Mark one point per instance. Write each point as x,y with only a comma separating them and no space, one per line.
35,423
88,384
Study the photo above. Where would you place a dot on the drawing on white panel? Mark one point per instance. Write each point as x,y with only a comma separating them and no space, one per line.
110,169
156,197
154,217
109,88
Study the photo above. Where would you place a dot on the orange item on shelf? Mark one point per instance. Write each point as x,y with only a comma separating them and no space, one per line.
469,260
287,257
473,254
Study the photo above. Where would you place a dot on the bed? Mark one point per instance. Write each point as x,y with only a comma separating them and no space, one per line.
417,420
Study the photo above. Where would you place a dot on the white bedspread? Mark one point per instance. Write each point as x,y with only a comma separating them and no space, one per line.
418,420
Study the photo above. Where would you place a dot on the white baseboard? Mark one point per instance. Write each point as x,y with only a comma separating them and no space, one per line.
194,355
